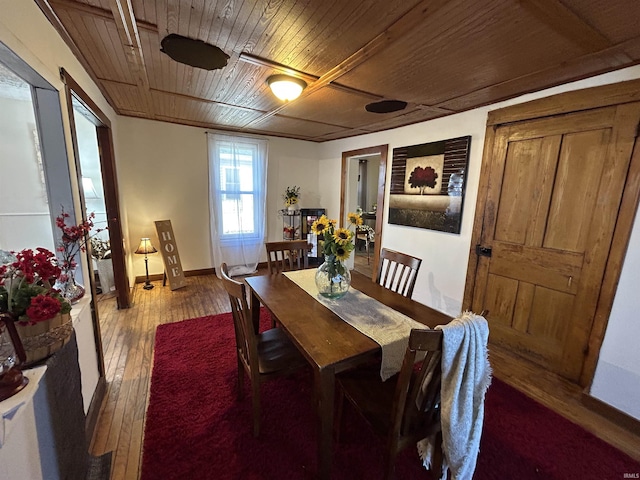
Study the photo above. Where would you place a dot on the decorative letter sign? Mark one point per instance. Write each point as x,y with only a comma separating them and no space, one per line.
169,249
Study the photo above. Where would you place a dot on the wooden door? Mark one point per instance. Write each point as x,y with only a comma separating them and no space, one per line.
554,190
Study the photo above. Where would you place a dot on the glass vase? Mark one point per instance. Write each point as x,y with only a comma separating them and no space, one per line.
333,278
8,357
68,288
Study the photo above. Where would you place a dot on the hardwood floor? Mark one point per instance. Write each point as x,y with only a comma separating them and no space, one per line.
361,264
128,338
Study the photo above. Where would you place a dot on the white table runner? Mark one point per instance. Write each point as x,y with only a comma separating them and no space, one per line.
387,327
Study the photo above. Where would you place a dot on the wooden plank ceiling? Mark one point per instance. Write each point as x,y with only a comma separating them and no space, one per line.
440,56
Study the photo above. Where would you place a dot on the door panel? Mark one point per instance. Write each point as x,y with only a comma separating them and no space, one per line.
500,299
540,266
576,189
554,188
549,314
529,165
524,302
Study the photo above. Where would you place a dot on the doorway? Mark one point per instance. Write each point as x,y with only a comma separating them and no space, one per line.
559,197
91,130
362,187
101,264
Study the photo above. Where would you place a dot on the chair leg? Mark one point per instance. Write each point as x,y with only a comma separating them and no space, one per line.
390,460
367,246
436,464
240,378
255,400
337,418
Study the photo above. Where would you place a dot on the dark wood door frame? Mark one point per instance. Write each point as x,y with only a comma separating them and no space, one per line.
383,151
107,163
579,100
109,180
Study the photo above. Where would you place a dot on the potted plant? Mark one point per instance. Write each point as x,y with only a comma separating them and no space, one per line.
74,240
101,253
291,197
41,314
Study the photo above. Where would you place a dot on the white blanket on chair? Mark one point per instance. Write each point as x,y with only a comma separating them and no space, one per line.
466,375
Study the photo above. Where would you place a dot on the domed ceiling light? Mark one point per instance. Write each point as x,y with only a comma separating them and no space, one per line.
286,88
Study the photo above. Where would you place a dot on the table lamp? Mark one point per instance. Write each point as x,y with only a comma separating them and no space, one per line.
145,248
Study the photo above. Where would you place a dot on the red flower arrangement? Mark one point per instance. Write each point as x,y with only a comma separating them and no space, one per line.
43,307
74,240
25,286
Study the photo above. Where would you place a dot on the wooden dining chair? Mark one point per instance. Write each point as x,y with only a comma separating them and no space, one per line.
288,255
263,356
398,271
404,409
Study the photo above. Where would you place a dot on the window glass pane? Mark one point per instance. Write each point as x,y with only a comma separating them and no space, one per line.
25,219
231,179
236,183
237,214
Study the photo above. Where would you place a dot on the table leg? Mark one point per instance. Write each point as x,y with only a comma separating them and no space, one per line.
255,311
325,389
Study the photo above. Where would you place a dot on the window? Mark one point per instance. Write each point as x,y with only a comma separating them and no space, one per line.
237,192
237,174
34,156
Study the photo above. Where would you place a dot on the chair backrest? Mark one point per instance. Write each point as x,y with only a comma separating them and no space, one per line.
288,255
416,411
246,342
398,271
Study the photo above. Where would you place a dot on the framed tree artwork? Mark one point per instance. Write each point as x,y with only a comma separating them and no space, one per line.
428,184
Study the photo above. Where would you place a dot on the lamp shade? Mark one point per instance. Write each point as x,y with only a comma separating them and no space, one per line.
145,247
286,88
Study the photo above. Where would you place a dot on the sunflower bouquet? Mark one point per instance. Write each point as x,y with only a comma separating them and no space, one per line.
336,242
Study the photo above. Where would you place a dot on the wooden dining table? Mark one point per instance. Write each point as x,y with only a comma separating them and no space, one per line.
329,344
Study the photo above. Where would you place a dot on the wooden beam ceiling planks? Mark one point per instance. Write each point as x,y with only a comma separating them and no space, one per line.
567,23
406,23
128,30
97,12
440,56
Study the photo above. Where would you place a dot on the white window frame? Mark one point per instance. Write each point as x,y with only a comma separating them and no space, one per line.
241,250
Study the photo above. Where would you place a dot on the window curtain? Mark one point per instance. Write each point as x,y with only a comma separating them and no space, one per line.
237,199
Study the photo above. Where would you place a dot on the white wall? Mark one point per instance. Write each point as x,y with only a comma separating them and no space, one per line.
617,378
164,175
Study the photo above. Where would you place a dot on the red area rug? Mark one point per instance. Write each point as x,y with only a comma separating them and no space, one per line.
196,428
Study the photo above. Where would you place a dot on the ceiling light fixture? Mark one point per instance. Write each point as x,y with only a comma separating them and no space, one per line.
286,88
